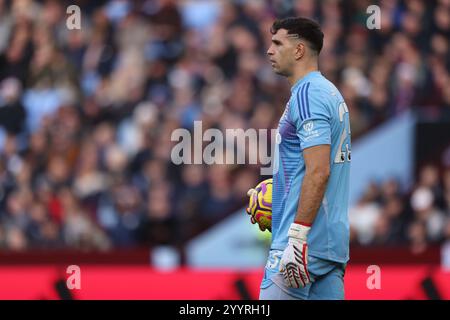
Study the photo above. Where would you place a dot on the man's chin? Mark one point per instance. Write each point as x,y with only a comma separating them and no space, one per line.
278,71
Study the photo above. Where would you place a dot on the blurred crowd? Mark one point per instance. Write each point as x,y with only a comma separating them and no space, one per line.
388,216
86,115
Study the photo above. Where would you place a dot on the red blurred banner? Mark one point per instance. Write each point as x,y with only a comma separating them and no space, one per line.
137,282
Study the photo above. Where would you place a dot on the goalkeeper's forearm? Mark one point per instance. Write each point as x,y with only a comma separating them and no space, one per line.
312,192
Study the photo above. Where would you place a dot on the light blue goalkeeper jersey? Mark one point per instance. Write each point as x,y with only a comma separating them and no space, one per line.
316,114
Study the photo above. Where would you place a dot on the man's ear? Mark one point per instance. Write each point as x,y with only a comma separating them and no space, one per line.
299,51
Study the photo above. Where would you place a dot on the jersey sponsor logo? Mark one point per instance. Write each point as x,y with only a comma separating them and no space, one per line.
310,133
308,126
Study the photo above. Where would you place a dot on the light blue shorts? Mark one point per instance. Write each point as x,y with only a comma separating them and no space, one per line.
327,283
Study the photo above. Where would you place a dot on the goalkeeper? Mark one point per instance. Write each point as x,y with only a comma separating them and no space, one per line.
310,229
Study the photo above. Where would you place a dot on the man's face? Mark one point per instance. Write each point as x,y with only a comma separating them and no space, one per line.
282,52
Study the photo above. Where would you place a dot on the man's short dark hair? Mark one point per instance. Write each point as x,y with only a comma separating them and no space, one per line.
304,28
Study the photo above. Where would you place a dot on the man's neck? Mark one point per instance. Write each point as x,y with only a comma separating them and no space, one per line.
300,73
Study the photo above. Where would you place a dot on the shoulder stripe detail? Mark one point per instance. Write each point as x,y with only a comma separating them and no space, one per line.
300,104
303,103
307,101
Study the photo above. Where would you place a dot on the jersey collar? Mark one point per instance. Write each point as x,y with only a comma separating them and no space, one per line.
304,79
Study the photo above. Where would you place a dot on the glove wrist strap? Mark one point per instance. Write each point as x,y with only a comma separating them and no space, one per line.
299,231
